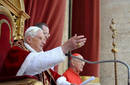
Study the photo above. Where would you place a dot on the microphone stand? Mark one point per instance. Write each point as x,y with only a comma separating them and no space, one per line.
105,61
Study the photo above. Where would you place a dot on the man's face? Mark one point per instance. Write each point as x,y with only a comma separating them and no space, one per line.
78,64
37,42
46,31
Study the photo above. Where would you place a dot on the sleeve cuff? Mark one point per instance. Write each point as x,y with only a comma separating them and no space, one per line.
62,81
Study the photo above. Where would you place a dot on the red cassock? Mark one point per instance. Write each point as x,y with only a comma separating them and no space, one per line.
13,62
72,77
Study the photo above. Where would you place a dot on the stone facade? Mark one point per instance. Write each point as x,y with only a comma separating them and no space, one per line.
120,11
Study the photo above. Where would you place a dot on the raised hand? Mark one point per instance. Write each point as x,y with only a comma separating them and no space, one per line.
74,43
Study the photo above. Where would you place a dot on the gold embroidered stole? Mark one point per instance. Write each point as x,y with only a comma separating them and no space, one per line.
48,78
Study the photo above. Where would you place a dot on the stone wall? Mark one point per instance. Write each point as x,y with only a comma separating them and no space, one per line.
120,11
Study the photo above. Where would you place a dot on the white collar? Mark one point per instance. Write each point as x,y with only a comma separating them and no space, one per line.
29,47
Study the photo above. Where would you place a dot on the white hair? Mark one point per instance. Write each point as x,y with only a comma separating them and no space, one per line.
31,31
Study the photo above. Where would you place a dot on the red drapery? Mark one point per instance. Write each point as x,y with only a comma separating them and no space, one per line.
86,20
50,12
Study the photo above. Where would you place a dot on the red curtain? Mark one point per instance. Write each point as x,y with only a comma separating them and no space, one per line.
86,20
52,13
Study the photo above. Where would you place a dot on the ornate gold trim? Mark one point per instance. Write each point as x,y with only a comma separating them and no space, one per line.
6,12
14,9
5,21
27,81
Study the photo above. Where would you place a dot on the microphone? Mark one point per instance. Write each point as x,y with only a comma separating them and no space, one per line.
104,61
